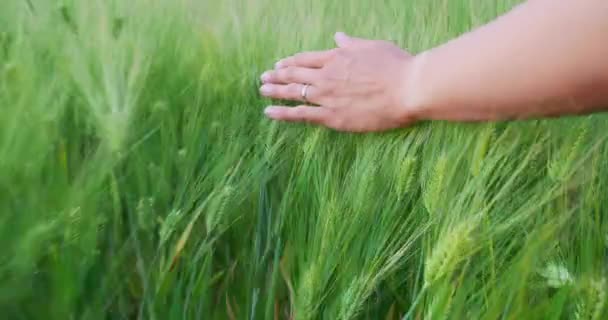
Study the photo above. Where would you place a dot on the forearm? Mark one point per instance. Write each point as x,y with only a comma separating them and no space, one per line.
544,58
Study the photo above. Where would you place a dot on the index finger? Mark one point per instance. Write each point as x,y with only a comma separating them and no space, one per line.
310,59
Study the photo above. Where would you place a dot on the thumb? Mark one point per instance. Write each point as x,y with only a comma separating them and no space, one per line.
344,40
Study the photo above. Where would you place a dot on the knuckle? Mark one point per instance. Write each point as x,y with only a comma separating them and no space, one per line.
281,75
292,89
327,88
278,75
321,91
320,96
280,91
290,73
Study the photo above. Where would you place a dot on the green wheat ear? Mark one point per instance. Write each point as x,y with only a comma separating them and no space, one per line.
169,224
432,192
444,310
216,210
270,142
593,300
308,293
405,176
484,140
535,163
351,299
309,146
330,227
453,246
561,166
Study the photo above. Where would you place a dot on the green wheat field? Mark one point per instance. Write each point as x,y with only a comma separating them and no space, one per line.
139,178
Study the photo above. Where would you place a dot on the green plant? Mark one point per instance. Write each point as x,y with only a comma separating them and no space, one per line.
140,180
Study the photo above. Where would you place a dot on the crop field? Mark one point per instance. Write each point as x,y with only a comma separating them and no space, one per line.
139,178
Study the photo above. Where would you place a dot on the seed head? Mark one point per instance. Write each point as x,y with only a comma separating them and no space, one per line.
454,246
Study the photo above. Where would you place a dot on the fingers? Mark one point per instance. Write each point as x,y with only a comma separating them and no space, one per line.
312,59
292,91
316,115
290,75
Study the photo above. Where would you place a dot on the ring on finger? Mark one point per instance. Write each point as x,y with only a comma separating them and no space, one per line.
304,92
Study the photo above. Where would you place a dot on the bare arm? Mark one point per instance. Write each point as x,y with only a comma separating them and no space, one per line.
544,58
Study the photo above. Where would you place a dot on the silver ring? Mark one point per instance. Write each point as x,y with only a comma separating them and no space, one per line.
304,92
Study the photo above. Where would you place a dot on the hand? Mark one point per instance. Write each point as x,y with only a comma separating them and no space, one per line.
360,86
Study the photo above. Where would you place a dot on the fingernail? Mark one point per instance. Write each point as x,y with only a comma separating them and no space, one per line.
270,111
278,64
342,39
265,89
340,36
265,77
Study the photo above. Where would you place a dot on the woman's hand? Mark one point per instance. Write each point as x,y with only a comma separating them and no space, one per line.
360,86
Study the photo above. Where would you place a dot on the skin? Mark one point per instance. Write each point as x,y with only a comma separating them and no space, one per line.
544,58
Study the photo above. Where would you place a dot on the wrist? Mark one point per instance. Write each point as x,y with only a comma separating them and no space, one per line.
416,95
